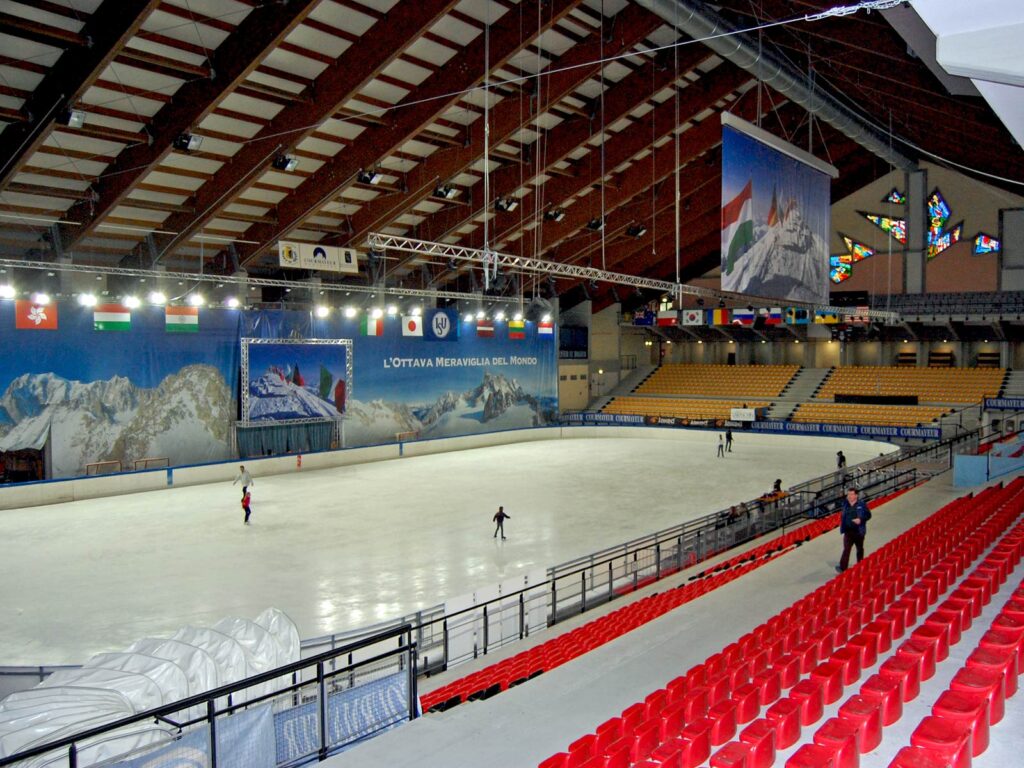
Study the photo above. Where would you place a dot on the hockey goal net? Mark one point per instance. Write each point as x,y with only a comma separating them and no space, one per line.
151,462
405,437
103,468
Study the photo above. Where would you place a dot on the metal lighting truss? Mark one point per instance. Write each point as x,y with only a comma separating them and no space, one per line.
242,280
381,242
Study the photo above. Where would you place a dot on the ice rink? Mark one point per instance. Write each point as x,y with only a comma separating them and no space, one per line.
344,548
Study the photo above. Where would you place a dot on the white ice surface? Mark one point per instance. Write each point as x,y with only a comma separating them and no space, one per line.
344,548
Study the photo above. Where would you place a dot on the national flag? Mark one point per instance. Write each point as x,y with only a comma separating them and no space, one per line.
693,317
516,329
718,317
822,317
668,317
35,317
737,227
743,317
484,328
772,315
545,328
181,319
441,325
796,316
861,317
372,326
112,317
773,212
412,325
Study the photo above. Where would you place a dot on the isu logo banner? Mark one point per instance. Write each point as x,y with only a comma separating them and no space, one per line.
35,317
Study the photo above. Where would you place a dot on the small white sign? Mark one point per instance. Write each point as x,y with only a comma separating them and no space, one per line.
743,414
326,258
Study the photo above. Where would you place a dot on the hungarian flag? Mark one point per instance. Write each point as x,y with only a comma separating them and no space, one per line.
35,317
484,328
545,328
516,329
112,317
737,226
412,326
372,326
181,319
693,317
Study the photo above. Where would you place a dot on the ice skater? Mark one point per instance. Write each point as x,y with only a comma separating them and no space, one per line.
246,478
721,447
840,460
499,518
246,500
728,440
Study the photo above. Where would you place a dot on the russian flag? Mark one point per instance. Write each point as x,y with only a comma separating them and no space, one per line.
743,317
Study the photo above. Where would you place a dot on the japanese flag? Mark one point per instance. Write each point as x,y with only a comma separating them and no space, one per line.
412,326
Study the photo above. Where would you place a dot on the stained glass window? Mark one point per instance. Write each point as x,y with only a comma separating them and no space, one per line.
838,269
985,244
858,251
895,196
944,240
896,227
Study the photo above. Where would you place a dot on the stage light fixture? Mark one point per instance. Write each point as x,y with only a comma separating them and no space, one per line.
721,303
445,191
596,224
392,310
72,118
350,312
636,230
500,316
416,311
156,297
132,302
517,316
555,214
7,292
481,315
188,142
507,204
196,299
286,163
377,313
232,302
40,298
546,319
368,177
468,317
322,311
87,299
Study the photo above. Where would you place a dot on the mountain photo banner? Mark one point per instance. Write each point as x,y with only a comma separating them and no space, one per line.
289,380
776,216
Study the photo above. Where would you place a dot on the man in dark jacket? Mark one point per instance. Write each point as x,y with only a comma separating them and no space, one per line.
853,524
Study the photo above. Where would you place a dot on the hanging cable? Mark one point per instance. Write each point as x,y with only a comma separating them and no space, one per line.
675,135
604,138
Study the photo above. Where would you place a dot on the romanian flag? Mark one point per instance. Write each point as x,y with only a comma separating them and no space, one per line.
35,317
112,317
372,326
545,329
485,328
181,319
516,329
718,317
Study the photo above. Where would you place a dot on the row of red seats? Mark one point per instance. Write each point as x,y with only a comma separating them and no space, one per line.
958,727
530,663
812,649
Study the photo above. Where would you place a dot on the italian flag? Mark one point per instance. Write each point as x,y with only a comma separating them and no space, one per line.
112,317
372,326
737,227
181,319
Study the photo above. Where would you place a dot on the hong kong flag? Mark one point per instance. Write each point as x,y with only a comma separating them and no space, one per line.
35,317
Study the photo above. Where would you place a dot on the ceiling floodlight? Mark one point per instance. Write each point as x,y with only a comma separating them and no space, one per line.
322,311
508,204
188,142
72,118
417,311
468,317
555,214
377,313
196,300
132,302
392,310
286,163
232,302
481,315
517,316
7,291
350,312
40,298
369,177
546,319
156,297
86,299
499,316
596,224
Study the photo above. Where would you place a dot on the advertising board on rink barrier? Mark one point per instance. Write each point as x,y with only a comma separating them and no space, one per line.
768,427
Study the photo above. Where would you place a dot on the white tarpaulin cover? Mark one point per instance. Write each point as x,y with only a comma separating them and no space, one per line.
152,672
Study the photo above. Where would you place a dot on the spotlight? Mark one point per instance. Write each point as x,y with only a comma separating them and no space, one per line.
721,303
750,307
350,312
131,302
445,191
500,316
700,302
232,302
508,204
368,177
322,311
286,163
453,264
555,214
596,224
188,142
155,297
636,230
72,118
468,317
392,310
40,298
196,299
377,313
517,316
546,319
7,291
87,299
480,315
417,311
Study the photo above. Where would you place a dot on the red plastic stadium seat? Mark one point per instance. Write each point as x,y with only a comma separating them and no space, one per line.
841,737
812,756
918,757
784,715
887,692
907,672
747,701
723,716
866,714
968,708
987,683
735,754
698,734
560,760
810,696
1002,661
830,674
945,739
760,735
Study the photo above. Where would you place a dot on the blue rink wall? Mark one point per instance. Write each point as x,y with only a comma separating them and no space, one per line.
86,395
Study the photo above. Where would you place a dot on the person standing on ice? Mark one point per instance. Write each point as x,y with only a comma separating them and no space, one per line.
499,518
246,478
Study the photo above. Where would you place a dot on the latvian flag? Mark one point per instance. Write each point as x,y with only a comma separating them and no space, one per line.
693,317
112,317
372,326
737,227
545,328
668,317
484,328
743,317
516,329
181,319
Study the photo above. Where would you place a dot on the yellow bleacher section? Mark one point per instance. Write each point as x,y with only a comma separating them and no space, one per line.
931,385
678,408
853,413
719,380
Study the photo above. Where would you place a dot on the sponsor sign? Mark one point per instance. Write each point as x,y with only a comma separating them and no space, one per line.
326,258
743,414
1004,403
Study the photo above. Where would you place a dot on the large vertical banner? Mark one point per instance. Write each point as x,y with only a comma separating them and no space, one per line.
775,216
114,383
293,380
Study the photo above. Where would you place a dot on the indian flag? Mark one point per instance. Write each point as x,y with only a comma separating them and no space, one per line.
112,317
372,326
181,319
737,227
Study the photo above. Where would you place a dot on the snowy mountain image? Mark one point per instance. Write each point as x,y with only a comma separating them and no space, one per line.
787,260
185,418
496,403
